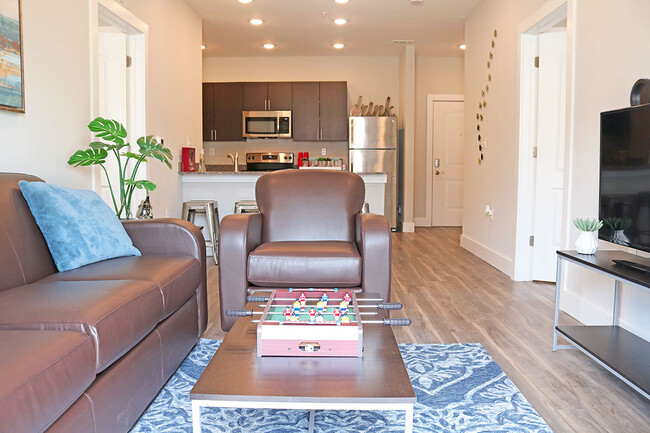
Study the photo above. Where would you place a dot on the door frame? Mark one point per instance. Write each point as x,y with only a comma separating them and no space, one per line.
545,18
426,221
137,31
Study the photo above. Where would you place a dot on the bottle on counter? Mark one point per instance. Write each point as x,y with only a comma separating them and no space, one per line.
201,168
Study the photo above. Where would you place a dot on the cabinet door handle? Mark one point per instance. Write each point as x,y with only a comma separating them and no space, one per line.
269,105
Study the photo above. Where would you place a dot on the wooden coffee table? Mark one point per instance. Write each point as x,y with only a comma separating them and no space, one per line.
236,377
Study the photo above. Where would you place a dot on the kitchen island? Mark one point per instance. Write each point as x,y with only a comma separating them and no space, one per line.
228,187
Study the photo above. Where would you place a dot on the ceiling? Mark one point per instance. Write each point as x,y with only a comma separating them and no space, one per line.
305,27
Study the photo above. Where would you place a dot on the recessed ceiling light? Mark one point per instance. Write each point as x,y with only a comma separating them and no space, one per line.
340,21
256,21
462,46
245,1
338,45
341,1
203,47
269,46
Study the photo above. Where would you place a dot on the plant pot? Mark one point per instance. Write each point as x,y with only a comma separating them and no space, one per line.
619,238
587,243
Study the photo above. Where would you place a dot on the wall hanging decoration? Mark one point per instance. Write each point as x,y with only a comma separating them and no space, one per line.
482,106
371,109
12,87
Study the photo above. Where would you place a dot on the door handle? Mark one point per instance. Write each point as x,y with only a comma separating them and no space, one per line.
269,104
438,172
436,163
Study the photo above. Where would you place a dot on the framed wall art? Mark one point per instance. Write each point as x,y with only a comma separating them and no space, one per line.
12,86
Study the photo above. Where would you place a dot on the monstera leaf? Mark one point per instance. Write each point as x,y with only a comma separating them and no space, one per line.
141,184
88,157
150,147
109,130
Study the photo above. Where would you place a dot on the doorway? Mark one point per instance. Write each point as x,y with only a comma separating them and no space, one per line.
541,196
119,65
445,161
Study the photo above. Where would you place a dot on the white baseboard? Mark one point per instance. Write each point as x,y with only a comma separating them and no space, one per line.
502,263
408,227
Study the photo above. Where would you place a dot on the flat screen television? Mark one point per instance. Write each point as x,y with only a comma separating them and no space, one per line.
625,177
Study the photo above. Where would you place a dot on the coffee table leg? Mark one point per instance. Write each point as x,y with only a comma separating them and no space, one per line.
196,416
312,415
408,427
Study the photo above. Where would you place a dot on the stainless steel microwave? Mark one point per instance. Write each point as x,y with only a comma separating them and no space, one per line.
267,124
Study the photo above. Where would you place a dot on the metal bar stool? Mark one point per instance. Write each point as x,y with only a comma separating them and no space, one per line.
246,206
210,209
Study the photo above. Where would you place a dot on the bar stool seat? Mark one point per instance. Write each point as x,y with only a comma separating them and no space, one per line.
246,206
210,209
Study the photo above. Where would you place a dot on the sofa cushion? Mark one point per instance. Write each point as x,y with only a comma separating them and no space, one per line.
305,264
177,277
114,314
41,374
78,225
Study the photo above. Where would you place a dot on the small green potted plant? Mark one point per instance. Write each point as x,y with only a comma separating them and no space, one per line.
113,136
587,242
618,227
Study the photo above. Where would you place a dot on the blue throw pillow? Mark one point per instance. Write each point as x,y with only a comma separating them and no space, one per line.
78,225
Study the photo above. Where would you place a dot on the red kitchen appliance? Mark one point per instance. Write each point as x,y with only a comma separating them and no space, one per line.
188,160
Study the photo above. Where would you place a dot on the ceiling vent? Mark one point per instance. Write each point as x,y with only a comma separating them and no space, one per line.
403,41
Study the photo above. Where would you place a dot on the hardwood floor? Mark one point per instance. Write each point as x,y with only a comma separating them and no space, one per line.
454,297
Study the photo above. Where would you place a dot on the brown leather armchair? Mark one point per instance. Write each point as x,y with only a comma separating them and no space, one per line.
309,233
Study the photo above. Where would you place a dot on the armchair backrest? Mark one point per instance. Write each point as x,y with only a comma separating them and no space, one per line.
309,205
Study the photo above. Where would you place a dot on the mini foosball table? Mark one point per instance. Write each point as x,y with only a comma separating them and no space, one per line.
315,322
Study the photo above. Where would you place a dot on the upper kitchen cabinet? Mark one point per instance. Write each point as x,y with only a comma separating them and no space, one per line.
306,109
223,104
320,111
268,96
333,111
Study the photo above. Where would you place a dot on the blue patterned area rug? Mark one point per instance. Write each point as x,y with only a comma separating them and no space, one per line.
459,388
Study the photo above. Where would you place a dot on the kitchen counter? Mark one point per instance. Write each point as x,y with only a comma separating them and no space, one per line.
228,187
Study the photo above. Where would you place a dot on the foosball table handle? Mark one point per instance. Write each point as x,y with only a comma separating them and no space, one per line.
397,322
390,306
239,313
257,298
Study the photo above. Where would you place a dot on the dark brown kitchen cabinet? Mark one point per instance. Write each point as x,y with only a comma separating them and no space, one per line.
306,111
320,111
267,96
333,111
223,104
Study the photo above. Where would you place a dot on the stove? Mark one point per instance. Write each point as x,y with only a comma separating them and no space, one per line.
263,161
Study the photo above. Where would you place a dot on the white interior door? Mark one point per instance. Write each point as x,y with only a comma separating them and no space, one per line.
112,72
448,150
551,111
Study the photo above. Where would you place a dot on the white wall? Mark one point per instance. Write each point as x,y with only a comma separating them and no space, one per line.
494,182
609,61
174,109
433,75
605,57
374,78
57,95
407,124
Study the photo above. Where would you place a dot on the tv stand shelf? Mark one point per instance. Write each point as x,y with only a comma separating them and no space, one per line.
622,353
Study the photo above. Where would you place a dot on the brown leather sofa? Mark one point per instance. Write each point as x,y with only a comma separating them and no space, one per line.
88,349
309,233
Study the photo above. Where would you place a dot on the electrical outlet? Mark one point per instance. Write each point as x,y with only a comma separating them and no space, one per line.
167,212
211,151
323,151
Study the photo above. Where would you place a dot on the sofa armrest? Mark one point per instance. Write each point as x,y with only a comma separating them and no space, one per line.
173,237
238,236
374,243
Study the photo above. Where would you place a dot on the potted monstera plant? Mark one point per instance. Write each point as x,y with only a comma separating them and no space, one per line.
112,141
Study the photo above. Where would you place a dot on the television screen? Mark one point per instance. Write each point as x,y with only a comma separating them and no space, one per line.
625,177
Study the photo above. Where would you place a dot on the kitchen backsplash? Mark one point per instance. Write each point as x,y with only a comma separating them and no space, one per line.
335,149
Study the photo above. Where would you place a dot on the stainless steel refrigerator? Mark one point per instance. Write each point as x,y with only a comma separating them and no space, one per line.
373,149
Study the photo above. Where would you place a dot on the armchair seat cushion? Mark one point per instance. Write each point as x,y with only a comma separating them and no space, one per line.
305,264
116,315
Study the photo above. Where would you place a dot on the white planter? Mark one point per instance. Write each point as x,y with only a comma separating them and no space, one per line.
587,243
